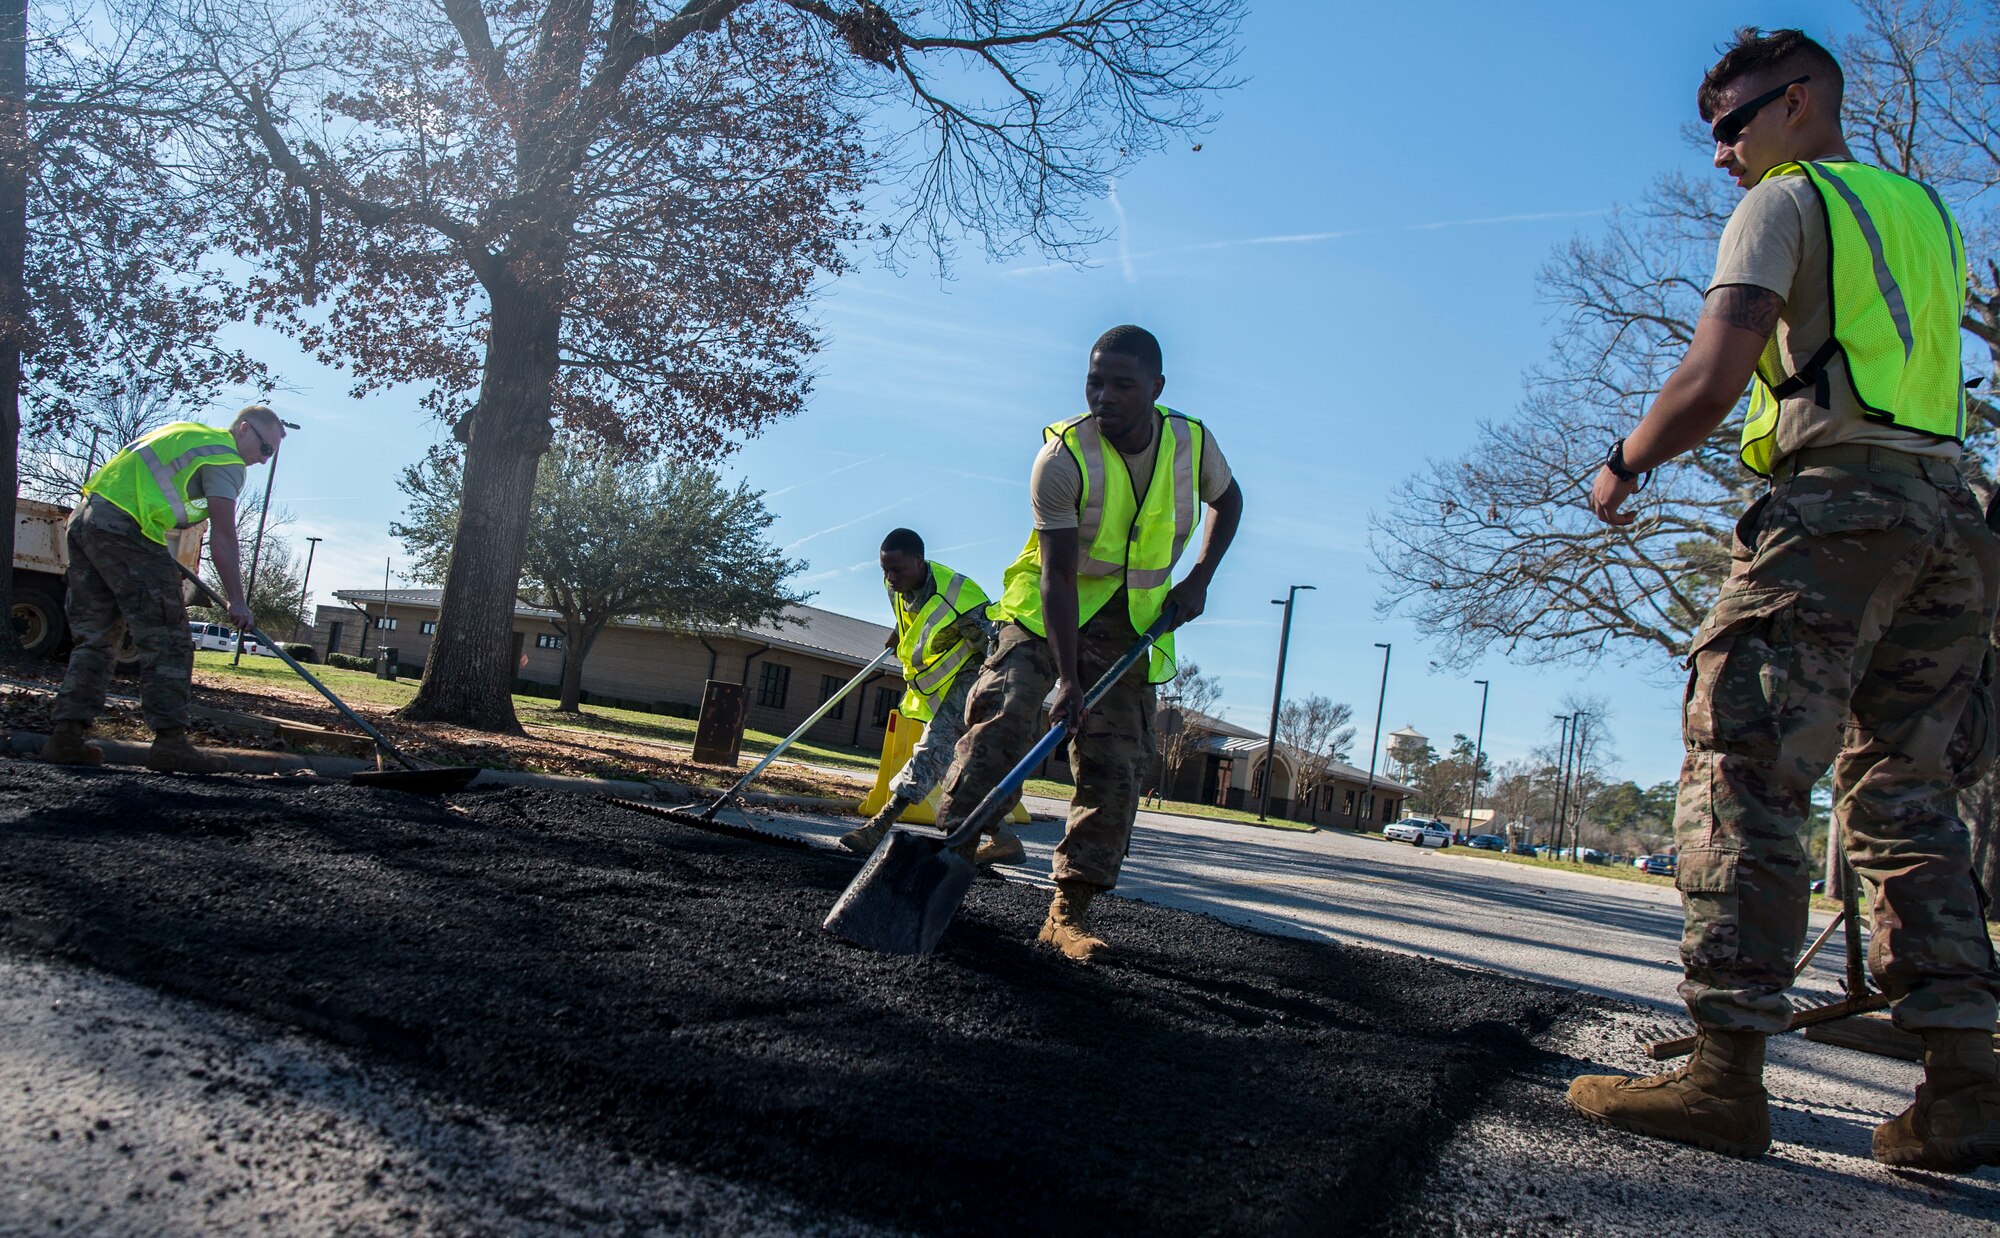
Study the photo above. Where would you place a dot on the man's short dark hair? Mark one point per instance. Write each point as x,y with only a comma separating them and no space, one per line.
904,541
1134,342
1776,54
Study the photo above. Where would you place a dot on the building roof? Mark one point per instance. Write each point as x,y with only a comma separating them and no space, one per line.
1250,746
803,629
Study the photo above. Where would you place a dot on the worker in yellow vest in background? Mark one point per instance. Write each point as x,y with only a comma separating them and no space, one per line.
121,574
1115,495
942,634
1854,630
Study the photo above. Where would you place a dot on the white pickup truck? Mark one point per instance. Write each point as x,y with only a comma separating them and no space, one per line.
41,555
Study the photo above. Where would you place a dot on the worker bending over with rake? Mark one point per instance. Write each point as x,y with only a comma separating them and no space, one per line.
122,574
942,632
1855,629
1114,495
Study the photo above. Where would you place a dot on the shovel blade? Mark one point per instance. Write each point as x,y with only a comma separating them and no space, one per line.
904,896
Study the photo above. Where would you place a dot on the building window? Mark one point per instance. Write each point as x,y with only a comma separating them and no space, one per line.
773,684
547,640
828,685
428,627
385,623
885,704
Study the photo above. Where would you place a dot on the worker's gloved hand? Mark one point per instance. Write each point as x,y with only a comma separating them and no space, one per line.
1068,705
1189,598
239,614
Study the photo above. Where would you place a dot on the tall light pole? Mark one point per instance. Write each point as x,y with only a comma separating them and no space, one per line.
1277,697
1366,804
257,546
312,544
1478,753
1562,780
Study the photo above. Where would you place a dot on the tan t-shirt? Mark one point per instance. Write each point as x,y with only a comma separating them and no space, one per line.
1055,487
1776,240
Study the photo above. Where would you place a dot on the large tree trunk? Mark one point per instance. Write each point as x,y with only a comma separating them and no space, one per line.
580,635
13,278
470,672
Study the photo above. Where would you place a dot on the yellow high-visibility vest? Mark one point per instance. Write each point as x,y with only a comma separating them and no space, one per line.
1123,541
1898,284
928,642
148,480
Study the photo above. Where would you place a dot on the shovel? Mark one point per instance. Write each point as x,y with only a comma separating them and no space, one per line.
906,894
415,778
704,817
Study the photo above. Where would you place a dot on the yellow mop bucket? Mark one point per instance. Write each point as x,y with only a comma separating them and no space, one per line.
898,741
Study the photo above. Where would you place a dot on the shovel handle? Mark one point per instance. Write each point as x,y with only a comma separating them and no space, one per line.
381,740
996,800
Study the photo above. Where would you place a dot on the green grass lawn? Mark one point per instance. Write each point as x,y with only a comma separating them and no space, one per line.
362,686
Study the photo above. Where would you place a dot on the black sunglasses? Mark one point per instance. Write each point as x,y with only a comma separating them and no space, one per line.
1729,126
269,450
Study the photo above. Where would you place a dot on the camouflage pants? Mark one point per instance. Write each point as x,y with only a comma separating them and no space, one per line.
932,755
1113,746
1853,632
118,580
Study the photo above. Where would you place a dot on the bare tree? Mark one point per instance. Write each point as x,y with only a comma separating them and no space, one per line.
1193,693
57,457
614,213
1313,734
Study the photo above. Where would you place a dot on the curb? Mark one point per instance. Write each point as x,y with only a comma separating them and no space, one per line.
259,761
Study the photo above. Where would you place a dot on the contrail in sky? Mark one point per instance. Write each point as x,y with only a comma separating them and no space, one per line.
848,524
1124,231
772,494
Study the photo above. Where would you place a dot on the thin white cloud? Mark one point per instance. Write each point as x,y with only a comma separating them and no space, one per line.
820,477
848,524
1124,232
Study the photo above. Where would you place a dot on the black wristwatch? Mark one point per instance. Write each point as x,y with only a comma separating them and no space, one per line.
1615,461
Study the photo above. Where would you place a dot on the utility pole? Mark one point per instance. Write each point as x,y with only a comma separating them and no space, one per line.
305,582
1478,754
1562,781
1277,697
1366,805
1573,786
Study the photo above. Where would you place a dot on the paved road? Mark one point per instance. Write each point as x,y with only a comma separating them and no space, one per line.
1534,1168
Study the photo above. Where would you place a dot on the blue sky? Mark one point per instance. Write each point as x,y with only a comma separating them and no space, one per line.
1343,282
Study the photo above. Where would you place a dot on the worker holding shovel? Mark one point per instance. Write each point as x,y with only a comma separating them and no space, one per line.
941,633
120,572
1114,496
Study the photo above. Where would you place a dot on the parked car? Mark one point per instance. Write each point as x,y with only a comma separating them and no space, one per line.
1527,849
1659,865
221,638
1487,842
1418,832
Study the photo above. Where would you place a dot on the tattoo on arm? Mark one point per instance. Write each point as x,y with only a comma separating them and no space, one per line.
1746,306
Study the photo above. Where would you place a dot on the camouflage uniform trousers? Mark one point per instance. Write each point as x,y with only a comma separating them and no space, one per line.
1854,632
931,756
119,579
1108,753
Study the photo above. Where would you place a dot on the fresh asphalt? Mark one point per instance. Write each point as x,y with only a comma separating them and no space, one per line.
1529,1166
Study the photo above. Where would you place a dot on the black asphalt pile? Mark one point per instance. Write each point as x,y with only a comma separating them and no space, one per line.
664,991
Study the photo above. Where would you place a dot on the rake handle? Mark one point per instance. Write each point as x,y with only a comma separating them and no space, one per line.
381,740
866,671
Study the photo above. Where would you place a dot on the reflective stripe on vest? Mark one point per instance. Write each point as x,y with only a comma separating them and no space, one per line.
149,479
1897,285
1123,541
928,642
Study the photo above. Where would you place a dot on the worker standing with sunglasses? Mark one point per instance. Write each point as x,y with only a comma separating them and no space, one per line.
1854,630
121,572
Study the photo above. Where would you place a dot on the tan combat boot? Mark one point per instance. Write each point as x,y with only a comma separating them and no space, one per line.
1066,928
172,753
864,840
67,746
1717,1101
1954,1126
1002,847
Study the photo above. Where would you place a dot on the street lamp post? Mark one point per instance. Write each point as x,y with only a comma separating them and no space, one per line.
1366,804
312,545
1562,780
1277,697
257,546
1478,753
